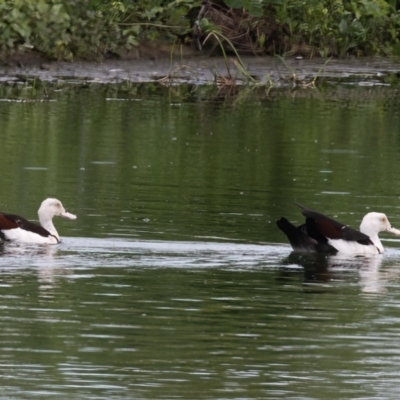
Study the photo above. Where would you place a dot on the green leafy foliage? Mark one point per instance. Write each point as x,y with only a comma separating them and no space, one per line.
254,7
65,29
88,28
340,27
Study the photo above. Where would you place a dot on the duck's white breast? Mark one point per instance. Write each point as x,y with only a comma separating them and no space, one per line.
23,236
351,247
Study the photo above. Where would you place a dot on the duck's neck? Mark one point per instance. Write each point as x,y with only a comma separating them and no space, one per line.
48,225
373,236
377,242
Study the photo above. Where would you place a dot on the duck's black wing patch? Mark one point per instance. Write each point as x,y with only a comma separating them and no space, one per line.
300,239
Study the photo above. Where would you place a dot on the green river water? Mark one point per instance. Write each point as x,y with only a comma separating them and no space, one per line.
174,282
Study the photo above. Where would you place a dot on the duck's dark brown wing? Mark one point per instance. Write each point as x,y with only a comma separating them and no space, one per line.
11,221
7,223
319,225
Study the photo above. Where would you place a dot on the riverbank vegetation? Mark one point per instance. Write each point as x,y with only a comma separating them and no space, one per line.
93,29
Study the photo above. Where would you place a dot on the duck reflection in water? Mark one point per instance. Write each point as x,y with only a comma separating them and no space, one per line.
27,250
312,267
320,269
15,257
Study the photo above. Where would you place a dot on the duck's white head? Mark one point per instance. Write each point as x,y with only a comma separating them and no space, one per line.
374,222
53,208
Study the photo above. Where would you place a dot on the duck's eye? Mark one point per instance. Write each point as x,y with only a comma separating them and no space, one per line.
383,219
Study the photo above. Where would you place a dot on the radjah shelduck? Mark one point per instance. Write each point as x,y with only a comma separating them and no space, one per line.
17,229
322,234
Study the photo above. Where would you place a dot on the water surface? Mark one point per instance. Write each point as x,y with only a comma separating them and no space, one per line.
174,281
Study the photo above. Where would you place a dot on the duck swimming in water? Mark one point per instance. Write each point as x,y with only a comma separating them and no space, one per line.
322,234
17,229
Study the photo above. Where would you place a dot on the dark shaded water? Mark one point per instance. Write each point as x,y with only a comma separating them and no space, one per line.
173,282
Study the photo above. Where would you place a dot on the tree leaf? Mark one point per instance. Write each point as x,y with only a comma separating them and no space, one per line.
234,3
